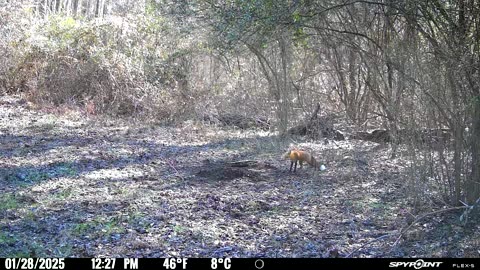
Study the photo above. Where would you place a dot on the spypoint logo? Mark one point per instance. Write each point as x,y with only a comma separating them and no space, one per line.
416,264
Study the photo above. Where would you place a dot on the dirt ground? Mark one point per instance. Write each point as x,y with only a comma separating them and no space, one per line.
78,186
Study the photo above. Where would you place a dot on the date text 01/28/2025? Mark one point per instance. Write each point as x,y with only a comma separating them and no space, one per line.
34,263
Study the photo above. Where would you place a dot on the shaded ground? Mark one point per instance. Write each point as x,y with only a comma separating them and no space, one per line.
74,187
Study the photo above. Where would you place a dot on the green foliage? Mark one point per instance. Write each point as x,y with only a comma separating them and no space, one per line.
81,228
19,253
8,201
112,226
7,239
476,99
99,226
61,32
36,176
152,7
66,169
300,37
141,60
16,246
64,194
179,229
63,250
257,21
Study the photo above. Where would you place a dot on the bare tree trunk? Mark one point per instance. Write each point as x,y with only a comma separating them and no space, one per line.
79,8
45,8
284,102
456,109
101,11
458,140
278,80
473,183
391,93
97,8
57,6
90,11
68,7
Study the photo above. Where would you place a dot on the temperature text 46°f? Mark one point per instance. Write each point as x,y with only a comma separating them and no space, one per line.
171,263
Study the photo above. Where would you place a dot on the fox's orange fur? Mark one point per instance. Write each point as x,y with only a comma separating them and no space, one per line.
301,156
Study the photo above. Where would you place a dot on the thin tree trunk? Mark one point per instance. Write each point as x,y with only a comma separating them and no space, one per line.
285,89
45,8
79,7
473,183
68,7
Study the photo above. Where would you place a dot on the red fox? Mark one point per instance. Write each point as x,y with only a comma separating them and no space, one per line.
301,156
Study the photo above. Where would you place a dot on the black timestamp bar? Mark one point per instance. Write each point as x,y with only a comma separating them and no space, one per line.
235,263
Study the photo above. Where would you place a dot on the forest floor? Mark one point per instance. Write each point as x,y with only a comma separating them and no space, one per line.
77,186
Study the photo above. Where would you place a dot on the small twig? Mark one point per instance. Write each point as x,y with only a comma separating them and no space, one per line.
242,163
293,142
369,242
173,167
406,228
468,209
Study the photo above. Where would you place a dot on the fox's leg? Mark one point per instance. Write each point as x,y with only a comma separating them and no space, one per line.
301,164
295,169
291,165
